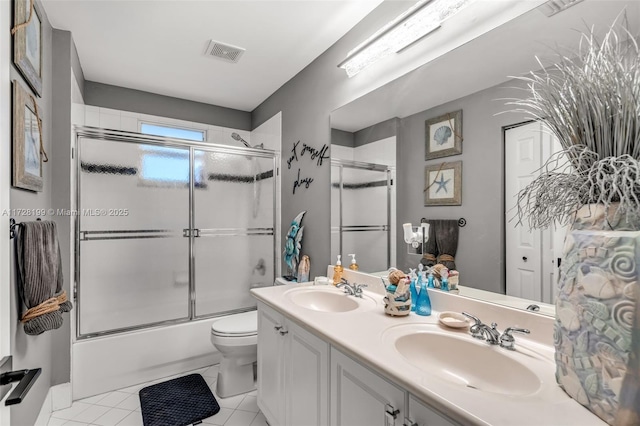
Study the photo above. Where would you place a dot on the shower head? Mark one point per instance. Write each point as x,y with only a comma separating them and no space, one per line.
238,138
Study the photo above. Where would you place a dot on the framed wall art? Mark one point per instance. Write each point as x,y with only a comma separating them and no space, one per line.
444,135
443,184
27,141
27,43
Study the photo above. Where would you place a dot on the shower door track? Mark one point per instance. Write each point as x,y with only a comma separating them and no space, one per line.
191,232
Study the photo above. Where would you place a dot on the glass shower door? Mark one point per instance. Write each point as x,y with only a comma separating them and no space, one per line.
233,216
364,214
133,254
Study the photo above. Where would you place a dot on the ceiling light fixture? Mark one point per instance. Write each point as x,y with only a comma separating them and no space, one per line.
422,18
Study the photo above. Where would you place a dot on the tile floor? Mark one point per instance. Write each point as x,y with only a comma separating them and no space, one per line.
122,407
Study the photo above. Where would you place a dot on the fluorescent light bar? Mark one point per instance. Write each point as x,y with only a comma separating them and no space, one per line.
422,18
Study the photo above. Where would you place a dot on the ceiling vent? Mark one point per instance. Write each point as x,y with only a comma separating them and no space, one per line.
223,51
552,7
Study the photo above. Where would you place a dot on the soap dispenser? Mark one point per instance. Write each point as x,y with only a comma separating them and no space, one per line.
337,272
354,265
423,304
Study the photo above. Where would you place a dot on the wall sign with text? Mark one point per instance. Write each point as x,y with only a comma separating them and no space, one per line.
298,154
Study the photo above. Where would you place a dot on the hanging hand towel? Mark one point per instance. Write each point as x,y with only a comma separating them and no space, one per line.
40,277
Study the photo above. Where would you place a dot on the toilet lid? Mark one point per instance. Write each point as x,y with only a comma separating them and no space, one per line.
242,324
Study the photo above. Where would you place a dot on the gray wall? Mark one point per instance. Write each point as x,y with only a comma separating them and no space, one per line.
480,256
306,102
121,98
342,138
378,131
38,351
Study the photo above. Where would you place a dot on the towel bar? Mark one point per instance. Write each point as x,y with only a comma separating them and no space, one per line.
461,222
12,227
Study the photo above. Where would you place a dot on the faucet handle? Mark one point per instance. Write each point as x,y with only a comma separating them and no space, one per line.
507,341
476,319
475,329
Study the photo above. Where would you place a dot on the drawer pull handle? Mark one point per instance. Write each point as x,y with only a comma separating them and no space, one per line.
283,332
391,413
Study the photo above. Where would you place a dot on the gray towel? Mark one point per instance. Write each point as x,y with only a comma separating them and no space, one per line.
40,273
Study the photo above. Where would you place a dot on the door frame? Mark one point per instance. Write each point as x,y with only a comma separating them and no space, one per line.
503,182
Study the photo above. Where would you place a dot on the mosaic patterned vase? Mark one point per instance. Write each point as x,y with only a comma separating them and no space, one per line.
594,333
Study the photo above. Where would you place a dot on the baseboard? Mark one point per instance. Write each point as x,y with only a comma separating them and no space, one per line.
58,398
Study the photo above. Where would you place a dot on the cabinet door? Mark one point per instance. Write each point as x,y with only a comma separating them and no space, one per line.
360,397
271,349
307,377
422,415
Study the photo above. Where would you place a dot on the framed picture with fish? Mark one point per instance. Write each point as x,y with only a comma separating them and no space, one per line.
443,184
444,135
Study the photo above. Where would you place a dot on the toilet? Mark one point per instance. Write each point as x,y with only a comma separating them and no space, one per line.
236,337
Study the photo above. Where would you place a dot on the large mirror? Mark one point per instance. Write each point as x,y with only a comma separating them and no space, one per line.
500,151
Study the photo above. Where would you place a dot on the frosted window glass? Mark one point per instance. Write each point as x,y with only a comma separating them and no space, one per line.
172,132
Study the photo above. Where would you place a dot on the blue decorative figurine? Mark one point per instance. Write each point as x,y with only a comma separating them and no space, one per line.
293,244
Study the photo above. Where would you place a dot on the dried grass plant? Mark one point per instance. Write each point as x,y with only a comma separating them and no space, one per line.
591,101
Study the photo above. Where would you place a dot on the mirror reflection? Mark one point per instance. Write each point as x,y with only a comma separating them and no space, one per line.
500,152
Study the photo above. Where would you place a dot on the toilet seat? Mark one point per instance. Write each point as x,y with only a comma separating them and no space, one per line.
237,325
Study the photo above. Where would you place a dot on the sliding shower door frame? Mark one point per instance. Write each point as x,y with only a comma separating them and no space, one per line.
191,232
364,228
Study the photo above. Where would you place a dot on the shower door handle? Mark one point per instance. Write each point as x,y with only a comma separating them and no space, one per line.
188,232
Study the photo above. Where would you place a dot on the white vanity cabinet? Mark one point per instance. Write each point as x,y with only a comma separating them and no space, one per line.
360,397
422,415
293,371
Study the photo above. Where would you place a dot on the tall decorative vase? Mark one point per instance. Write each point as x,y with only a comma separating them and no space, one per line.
594,330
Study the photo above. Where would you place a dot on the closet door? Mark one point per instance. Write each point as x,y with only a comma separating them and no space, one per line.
233,216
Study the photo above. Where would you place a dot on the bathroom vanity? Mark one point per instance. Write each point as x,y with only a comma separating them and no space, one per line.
325,358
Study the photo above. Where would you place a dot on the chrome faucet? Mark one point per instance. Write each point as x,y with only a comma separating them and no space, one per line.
507,341
351,289
482,331
491,335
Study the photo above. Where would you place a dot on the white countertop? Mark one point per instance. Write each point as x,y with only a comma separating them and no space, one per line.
361,334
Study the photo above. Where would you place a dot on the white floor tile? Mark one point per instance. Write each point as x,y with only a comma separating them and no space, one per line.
94,399
253,393
56,422
90,414
69,413
240,418
260,420
131,403
249,403
231,402
133,419
220,417
211,371
135,388
112,417
74,423
113,399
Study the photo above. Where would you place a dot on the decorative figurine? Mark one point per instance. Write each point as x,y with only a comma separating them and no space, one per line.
292,246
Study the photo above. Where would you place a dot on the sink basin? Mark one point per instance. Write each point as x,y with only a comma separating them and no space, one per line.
460,359
326,299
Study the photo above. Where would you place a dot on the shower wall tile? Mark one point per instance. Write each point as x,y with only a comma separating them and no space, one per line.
128,123
77,114
92,116
109,120
269,133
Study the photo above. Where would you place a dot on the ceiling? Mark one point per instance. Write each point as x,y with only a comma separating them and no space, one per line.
491,59
158,45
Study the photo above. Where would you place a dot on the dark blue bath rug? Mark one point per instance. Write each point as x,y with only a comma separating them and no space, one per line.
177,402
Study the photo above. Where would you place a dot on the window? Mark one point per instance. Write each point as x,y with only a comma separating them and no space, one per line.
173,132
170,166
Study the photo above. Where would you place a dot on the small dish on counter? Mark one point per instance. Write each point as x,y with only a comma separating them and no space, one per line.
453,319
